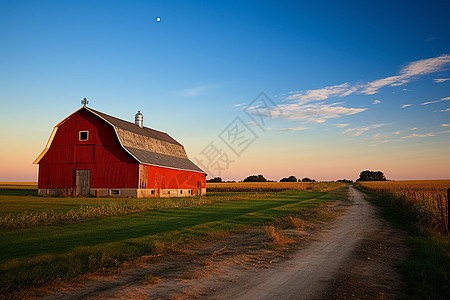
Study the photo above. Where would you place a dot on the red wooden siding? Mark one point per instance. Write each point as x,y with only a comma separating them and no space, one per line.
111,166
163,178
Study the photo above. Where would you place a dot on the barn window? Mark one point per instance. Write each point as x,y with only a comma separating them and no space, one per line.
84,135
181,191
114,192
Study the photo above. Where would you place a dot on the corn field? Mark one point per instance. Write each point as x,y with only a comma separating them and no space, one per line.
424,200
249,187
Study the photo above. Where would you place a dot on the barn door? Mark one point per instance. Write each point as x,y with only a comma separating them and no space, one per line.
83,178
198,189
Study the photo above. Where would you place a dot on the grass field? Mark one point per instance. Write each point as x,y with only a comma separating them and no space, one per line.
40,256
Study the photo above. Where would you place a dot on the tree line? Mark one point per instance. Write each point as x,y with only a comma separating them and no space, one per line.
363,176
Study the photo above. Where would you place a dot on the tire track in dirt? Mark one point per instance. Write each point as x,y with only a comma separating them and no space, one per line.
318,271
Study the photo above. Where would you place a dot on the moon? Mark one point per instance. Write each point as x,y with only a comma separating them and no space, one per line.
158,19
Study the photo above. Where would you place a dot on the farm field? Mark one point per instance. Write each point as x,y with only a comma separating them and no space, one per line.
41,254
269,186
425,200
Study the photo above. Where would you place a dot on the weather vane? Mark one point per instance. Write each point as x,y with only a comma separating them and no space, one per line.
84,101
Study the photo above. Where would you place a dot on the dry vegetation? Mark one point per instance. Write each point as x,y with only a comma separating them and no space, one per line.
425,200
271,186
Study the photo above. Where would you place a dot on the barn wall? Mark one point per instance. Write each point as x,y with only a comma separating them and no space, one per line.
111,166
164,180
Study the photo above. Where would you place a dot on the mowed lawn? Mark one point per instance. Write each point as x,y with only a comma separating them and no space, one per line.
62,238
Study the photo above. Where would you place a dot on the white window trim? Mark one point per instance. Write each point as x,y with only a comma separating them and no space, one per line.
79,135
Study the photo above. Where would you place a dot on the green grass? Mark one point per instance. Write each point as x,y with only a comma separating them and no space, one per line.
427,270
40,256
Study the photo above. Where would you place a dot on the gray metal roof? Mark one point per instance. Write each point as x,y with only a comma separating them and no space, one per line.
157,159
149,146
129,126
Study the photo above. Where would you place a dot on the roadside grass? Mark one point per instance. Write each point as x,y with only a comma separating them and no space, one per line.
427,270
36,258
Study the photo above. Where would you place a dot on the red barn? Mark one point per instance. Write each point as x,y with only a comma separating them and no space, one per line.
92,153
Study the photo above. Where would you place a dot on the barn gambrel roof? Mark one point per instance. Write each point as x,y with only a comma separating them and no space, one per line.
148,146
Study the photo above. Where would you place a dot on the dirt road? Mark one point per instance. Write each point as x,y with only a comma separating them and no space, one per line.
353,258
311,272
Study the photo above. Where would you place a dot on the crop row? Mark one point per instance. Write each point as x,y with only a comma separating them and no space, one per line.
426,202
270,186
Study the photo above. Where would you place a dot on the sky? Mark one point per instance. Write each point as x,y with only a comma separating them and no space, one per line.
318,89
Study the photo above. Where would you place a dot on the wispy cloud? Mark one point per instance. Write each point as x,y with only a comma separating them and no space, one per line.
293,129
310,105
377,136
321,94
440,80
445,125
406,105
196,91
237,105
444,110
436,101
341,125
357,131
316,112
416,135
406,74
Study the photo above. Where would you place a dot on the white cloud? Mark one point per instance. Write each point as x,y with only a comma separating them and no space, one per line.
445,125
341,125
357,131
416,135
316,112
444,110
340,90
436,101
440,80
237,105
396,132
377,102
406,105
408,73
293,129
413,128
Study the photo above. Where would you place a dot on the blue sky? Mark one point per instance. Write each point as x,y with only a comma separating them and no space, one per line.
339,74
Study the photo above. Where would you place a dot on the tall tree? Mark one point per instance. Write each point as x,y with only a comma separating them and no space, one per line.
289,179
255,178
371,176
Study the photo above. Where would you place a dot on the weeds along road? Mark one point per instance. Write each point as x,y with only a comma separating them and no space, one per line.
315,271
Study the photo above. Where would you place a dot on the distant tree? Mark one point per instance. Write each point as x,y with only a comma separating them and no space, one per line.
344,181
215,179
306,179
255,178
289,179
371,176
